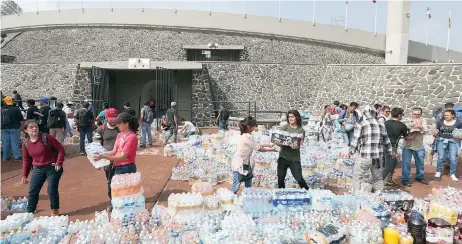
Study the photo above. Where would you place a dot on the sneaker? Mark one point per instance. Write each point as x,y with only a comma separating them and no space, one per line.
83,154
423,181
454,178
391,183
18,159
55,212
109,208
142,146
407,184
438,175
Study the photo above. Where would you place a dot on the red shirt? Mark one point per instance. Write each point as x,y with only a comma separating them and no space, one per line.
38,154
126,143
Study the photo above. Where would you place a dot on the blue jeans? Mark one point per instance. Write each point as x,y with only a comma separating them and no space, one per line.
348,136
39,176
146,131
68,129
449,151
223,124
11,139
237,184
125,169
85,132
419,156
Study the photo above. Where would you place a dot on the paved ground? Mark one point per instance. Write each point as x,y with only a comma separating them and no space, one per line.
83,189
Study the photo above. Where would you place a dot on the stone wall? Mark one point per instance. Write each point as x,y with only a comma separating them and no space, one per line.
403,86
274,87
34,81
117,44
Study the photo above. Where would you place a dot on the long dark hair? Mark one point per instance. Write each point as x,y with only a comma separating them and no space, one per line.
295,113
245,124
133,124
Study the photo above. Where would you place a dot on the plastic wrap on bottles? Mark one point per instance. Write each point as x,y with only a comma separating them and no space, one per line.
96,148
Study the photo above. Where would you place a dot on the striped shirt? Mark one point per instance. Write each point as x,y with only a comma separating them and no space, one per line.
370,138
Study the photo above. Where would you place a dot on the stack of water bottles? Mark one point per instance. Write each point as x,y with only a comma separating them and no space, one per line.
15,221
127,195
93,149
291,200
257,200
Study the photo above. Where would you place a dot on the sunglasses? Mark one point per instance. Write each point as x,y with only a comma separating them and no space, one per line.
386,111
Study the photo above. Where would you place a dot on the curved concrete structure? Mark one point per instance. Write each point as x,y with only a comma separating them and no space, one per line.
269,26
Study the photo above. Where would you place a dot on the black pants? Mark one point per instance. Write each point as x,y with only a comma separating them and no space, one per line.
390,165
110,172
295,168
38,178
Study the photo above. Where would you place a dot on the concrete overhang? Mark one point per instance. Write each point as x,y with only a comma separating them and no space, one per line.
220,47
123,65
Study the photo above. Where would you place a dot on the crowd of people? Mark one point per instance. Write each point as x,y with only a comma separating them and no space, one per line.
373,132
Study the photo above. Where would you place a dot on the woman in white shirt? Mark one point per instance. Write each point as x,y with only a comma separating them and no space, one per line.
189,127
246,144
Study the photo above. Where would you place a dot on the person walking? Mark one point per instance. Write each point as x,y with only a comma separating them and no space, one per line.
17,99
327,124
246,144
223,117
12,119
124,152
448,146
146,119
45,156
106,134
289,156
172,121
395,130
369,139
128,109
45,112
85,123
414,147
57,122
348,118
69,115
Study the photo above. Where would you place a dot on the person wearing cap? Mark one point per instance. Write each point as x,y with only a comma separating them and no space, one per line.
67,109
12,119
106,134
172,121
45,112
124,152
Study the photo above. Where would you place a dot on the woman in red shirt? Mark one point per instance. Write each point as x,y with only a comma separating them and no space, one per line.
124,151
46,155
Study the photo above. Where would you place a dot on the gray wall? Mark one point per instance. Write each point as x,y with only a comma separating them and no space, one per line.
63,81
184,83
114,44
404,86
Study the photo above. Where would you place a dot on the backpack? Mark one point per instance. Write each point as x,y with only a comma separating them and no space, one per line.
224,114
5,116
83,120
148,115
44,140
51,117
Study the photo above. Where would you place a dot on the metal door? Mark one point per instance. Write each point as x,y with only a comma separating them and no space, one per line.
166,91
99,88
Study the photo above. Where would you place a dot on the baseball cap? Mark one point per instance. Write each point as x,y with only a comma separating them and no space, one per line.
123,117
173,104
44,100
111,113
8,100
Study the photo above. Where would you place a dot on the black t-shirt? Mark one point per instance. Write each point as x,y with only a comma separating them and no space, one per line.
130,111
445,131
14,115
30,113
59,119
45,111
395,129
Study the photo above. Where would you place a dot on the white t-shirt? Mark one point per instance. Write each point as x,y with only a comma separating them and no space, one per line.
189,126
246,144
